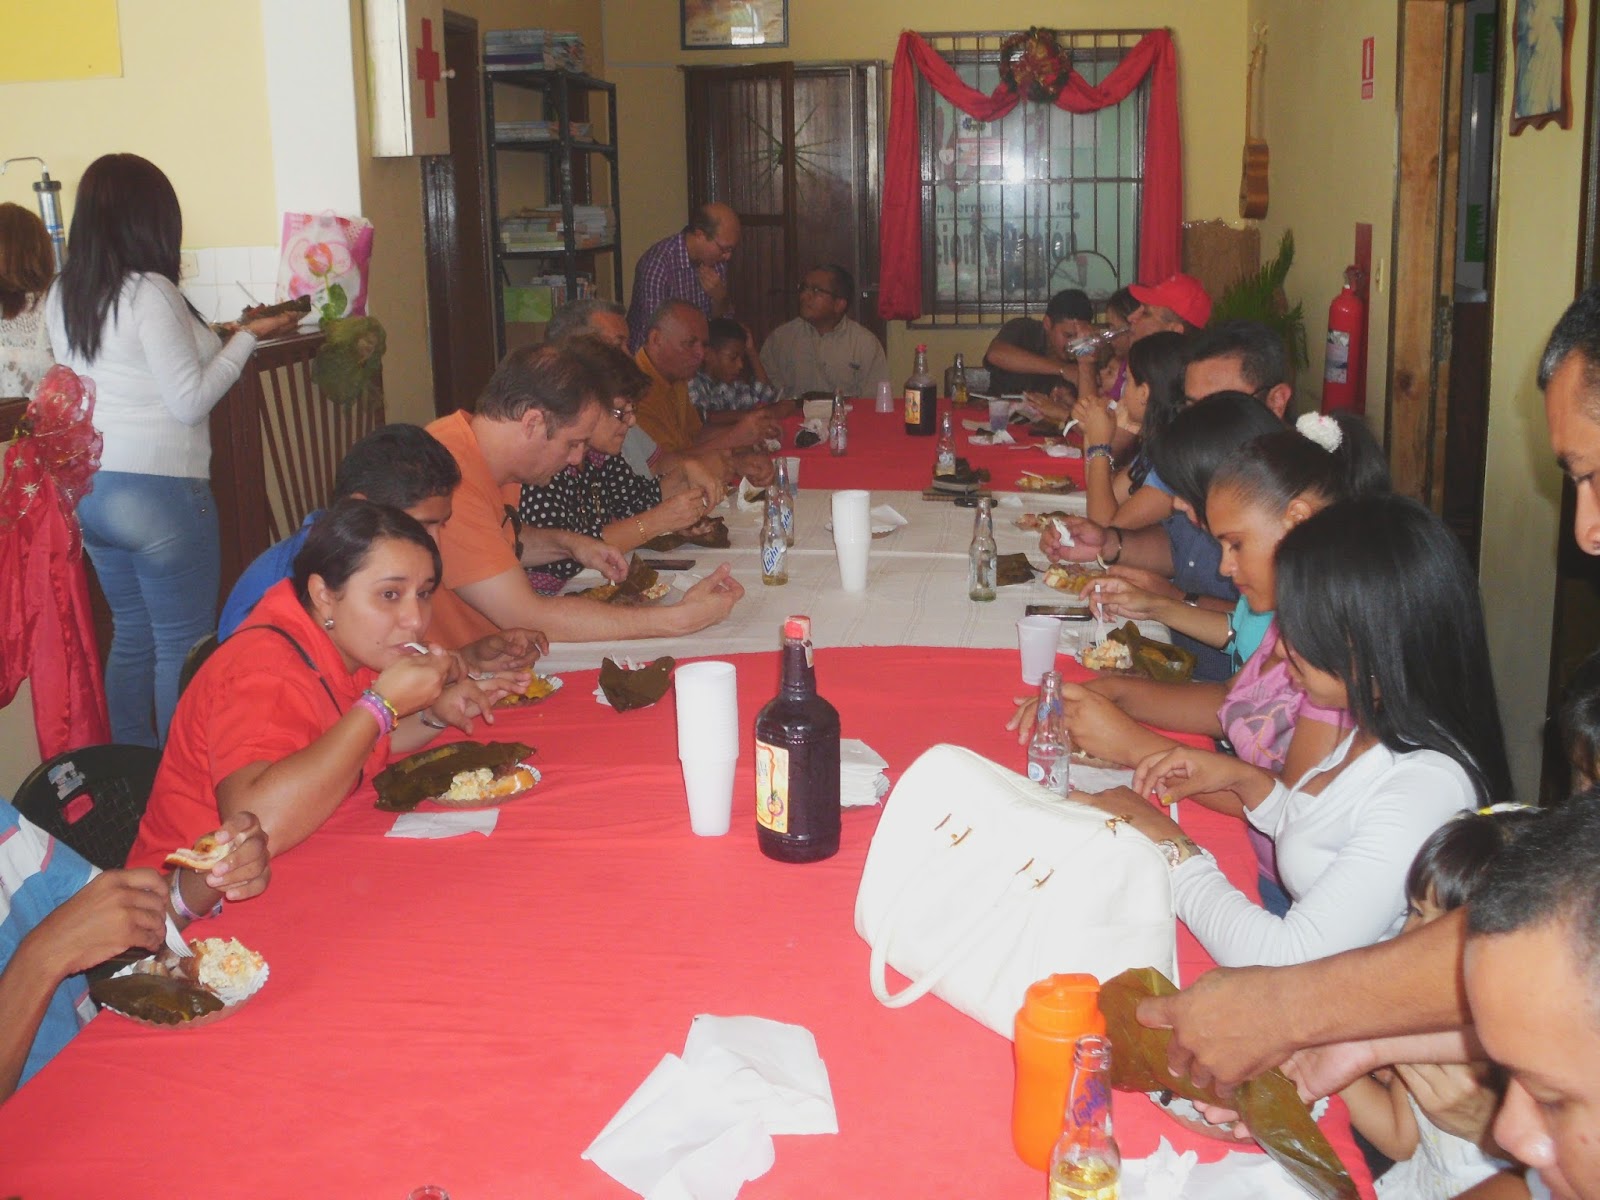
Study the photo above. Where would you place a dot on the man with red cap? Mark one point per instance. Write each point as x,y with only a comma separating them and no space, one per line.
1178,303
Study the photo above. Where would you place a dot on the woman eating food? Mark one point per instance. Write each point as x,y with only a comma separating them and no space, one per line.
1152,398
603,496
315,691
1379,615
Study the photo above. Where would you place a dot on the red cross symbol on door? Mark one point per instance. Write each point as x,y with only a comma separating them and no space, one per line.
427,66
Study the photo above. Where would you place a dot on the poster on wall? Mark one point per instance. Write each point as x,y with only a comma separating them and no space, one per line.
1541,36
65,39
721,24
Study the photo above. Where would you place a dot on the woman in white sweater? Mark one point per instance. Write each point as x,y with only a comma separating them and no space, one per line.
1379,614
150,524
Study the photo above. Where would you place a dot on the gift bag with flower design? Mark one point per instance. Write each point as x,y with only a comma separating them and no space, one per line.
325,256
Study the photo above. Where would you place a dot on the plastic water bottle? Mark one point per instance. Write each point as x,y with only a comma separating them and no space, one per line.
1089,344
1050,750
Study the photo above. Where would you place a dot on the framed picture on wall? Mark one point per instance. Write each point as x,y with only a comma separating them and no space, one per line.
1541,46
724,24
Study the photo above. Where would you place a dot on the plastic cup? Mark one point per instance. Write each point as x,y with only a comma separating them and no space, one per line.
885,398
852,515
707,696
853,556
999,414
708,783
793,461
1037,639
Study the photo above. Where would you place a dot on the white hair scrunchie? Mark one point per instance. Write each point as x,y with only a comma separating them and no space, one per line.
1321,429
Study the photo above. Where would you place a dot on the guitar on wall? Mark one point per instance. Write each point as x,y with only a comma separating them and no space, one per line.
1253,177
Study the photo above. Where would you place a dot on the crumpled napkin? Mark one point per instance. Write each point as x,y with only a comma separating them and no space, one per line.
1238,1175
1000,437
444,824
740,504
861,777
699,1126
817,427
1062,450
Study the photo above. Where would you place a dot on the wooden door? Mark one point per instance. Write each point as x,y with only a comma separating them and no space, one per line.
798,147
741,152
1424,242
456,234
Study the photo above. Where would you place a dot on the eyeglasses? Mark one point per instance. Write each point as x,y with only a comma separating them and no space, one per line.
623,412
818,291
515,519
724,247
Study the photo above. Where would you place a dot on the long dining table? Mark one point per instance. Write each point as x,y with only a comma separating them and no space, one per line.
470,1011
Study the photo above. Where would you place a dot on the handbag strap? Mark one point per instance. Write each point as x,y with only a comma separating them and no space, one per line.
983,920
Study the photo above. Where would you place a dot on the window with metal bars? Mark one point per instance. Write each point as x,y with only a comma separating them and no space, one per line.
1014,210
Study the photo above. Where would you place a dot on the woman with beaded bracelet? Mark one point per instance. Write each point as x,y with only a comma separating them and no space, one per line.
317,689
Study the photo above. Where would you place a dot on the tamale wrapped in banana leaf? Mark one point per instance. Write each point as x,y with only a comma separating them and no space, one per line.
158,998
1012,568
1268,1104
627,690
403,785
1161,661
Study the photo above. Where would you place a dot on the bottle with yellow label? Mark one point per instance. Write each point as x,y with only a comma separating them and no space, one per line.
797,760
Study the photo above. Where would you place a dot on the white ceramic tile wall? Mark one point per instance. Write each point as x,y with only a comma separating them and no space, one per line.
220,281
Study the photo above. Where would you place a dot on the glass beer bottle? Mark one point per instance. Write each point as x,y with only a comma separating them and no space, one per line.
797,760
1086,1164
982,555
774,545
958,382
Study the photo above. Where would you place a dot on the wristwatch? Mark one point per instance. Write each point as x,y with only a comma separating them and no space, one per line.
1175,850
1192,599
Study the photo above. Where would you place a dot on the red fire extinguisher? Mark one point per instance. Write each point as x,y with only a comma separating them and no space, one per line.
1344,373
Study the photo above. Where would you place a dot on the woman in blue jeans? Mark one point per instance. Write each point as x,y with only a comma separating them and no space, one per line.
116,316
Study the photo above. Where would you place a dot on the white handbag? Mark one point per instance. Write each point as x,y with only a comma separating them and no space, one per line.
978,883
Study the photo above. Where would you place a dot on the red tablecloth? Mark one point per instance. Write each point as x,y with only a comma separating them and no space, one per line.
470,1012
883,456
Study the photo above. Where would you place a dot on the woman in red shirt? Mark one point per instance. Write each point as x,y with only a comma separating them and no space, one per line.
316,689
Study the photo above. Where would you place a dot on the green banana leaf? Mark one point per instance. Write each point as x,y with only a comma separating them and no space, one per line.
403,785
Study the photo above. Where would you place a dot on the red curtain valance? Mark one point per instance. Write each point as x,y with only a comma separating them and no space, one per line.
1161,213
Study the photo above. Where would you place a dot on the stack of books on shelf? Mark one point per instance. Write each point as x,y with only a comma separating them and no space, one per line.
540,131
532,50
542,229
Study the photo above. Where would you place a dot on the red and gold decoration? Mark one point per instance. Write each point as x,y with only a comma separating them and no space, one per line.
1034,65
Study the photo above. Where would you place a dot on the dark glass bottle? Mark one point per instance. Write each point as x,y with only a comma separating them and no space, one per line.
922,397
797,760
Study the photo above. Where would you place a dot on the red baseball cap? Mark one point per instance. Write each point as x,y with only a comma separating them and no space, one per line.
1181,293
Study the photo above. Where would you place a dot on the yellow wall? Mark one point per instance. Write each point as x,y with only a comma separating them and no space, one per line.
1333,162
1535,252
192,98
642,40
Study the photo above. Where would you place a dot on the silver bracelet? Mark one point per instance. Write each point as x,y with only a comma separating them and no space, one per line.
423,715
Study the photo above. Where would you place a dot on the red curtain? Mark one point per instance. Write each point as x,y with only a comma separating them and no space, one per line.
1161,213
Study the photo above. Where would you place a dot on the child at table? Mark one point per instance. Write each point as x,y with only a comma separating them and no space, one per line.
1431,1118
1379,614
730,379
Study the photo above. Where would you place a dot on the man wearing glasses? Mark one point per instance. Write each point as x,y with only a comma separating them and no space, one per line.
823,350
691,265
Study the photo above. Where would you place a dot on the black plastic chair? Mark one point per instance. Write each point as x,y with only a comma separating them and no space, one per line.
195,659
92,799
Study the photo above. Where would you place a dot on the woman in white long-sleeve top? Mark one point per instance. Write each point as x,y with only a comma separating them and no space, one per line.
150,524
1379,614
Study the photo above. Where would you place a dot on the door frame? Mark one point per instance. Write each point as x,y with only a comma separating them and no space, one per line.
435,213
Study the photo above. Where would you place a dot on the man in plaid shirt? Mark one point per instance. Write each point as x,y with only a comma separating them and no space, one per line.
690,265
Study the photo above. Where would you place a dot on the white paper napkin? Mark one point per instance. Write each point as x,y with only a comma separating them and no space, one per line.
1062,450
740,504
699,1126
1000,437
887,514
444,824
1238,1175
861,777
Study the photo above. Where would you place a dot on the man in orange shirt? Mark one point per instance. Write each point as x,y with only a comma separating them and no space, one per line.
672,352
534,418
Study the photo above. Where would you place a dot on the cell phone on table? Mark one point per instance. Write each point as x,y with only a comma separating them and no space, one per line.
669,564
1066,612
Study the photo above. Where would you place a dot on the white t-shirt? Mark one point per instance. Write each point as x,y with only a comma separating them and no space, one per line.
158,374
1342,857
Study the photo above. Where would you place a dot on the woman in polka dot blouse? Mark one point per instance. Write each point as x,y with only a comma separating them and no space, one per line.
603,496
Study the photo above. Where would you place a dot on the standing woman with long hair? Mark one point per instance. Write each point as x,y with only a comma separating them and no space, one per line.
27,264
150,525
